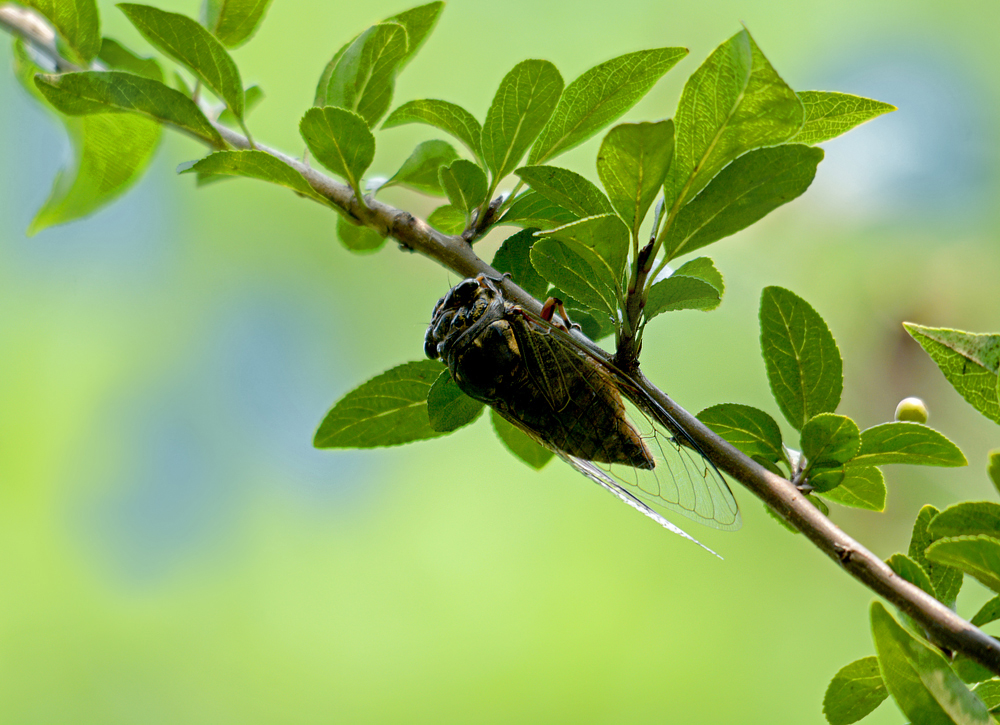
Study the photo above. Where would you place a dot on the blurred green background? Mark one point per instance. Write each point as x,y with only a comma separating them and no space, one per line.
172,550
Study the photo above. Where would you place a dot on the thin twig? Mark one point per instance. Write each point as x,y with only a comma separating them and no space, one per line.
945,627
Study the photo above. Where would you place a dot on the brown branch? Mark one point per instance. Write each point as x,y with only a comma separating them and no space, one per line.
945,628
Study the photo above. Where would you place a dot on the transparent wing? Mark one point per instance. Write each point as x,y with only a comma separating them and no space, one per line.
681,480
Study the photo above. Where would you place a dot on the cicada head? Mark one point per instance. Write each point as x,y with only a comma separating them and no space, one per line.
469,302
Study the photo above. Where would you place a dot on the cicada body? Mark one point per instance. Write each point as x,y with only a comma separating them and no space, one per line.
532,374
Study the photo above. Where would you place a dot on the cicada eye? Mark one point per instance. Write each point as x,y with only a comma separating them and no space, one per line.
464,291
430,347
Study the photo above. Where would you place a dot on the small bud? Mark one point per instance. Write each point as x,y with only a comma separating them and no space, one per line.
912,410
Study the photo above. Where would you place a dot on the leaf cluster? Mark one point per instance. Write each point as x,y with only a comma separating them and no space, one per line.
928,685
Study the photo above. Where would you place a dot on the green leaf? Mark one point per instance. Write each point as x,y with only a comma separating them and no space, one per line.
989,612
825,478
696,285
514,258
911,571
420,170
531,209
919,678
77,21
419,22
341,141
446,116
947,580
364,76
465,185
523,103
989,693
902,442
970,670
566,189
187,42
830,439
253,96
978,556
802,360
388,410
993,468
358,238
750,430
969,361
600,96
447,219
734,103
115,55
578,271
856,690
632,163
969,517
109,153
520,443
234,22
828,114
863,487
605,237
593,324
448,408
90,92
747,190
254,164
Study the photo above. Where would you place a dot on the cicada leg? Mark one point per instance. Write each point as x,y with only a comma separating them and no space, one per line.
548,314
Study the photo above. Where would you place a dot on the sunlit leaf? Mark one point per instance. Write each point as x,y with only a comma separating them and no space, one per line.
744,192
696,285
89,92
187,42
978,556
969,361
632,163
733,103
919,678
447,219
341,141
523,103
531,209
254,164
752,431
968,517
947,580
600,96
446,116
77,21
829,438
856,690
903,442
420,170
829,114
364,76
464,184
566,189
862,487
911,571
802,360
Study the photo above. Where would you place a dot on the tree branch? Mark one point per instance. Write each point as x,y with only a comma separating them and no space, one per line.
944,627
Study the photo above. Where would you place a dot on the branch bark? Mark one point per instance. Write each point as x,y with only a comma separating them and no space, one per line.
944,627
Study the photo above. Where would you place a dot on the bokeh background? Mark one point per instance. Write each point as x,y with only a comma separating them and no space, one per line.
172,550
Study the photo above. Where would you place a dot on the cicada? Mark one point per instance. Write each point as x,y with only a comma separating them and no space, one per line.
530,371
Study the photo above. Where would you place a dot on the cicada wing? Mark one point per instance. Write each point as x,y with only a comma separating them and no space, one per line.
545,359
681,480
601,477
